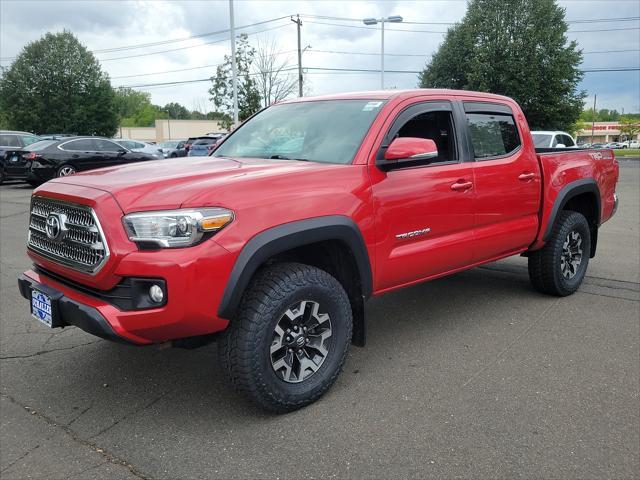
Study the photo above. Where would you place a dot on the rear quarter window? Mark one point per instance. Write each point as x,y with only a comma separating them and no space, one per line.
492,134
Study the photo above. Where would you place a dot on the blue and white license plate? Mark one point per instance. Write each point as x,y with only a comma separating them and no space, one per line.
15,158
41,307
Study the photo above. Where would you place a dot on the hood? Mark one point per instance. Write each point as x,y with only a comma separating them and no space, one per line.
186,182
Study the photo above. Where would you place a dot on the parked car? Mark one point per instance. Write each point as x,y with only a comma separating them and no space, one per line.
631,144
584,145
173,148
553,139
49,159
139,146
598,145
614,145
202,147
12,167
191,140
275,254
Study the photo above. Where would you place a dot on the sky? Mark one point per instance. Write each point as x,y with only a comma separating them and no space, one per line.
111,28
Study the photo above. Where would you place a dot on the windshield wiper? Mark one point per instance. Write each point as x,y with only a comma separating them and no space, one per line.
283,157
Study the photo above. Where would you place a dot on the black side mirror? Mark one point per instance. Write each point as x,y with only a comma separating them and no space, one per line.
123,151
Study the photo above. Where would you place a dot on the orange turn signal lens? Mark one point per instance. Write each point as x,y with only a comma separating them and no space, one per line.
209,224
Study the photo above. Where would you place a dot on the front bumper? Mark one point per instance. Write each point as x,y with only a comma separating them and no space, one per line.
70,311
194,278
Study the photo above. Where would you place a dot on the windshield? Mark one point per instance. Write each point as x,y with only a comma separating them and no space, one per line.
328,131
541,140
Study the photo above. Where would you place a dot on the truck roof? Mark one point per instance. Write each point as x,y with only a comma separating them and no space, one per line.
399,94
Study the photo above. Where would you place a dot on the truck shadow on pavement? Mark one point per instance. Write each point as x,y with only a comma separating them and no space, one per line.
98,385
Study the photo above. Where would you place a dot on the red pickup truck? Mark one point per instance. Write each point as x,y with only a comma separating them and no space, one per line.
273,243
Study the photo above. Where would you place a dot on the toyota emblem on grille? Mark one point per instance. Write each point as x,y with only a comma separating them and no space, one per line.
56,226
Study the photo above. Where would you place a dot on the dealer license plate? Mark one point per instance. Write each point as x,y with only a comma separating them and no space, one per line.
41,307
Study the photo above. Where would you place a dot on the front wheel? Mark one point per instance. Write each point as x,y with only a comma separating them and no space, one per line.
561,265
289,341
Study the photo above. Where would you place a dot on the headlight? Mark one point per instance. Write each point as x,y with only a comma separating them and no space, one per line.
175,228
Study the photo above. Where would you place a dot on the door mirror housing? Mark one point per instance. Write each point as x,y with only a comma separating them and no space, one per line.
408,150
122,151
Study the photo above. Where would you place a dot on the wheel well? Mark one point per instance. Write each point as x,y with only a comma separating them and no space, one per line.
336,258
587,204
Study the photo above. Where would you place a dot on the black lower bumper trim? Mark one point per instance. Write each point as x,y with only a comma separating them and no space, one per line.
70,312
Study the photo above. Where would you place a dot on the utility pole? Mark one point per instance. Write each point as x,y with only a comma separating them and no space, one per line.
593,122
298,23
233,65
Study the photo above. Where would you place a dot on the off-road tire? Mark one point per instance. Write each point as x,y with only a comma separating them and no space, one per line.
245,345
545,271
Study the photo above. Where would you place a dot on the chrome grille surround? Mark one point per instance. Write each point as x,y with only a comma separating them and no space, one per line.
83,246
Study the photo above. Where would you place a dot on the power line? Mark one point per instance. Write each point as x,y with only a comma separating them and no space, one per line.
590,20
188,69
176,40
407,30
190,46
336,70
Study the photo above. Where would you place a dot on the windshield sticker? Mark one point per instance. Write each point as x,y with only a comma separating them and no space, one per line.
371,106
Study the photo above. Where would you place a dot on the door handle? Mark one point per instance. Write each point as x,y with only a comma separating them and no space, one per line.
525,177
461,185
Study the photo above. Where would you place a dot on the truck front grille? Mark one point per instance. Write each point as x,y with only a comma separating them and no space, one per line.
68,234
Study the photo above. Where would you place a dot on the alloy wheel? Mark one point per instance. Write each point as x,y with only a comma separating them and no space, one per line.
300,342
64,171
571,256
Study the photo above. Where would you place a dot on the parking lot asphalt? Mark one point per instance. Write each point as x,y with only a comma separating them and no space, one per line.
475,375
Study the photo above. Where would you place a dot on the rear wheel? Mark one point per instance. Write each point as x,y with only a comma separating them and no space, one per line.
561,265
290,339
65,170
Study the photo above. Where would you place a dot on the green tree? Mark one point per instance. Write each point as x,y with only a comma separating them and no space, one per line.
56,85
128,102
176,111
517,48
222,88
629,126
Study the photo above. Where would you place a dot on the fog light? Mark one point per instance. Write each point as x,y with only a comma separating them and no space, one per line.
156,294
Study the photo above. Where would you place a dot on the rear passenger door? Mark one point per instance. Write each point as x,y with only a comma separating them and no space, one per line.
507,181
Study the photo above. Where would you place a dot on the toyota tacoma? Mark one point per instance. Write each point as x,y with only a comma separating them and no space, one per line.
272,244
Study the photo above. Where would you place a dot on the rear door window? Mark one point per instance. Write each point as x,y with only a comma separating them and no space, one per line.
492,134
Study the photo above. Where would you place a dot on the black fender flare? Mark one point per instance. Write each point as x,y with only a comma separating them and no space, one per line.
573,189
286,237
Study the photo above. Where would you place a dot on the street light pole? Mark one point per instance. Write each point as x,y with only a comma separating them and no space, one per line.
233,65
382,55
382,21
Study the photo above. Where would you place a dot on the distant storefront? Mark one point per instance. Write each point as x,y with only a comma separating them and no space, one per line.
603,132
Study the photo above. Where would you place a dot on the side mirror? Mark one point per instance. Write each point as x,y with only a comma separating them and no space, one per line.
122,151
561,145
404,150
